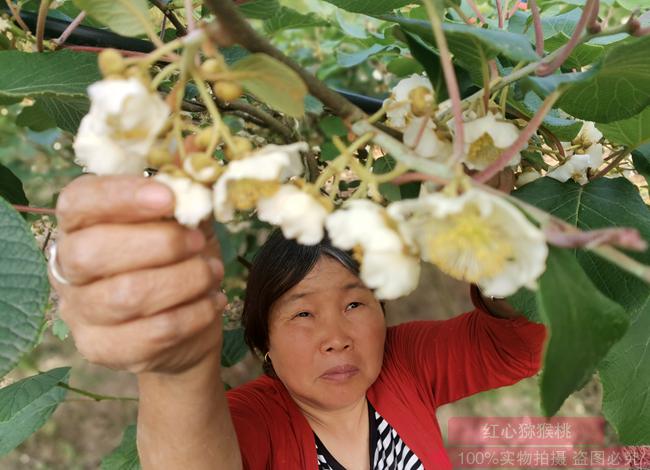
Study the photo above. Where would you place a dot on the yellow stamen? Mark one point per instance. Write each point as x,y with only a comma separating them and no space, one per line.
482,152
244,193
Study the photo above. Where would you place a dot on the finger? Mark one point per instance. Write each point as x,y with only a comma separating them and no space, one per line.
92,199
142,293
107,249
140,341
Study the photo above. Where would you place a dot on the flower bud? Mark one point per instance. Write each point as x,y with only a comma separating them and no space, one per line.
159,157
421,101
241,145
211,67
227,91
202,167
172,170
202,139
111,62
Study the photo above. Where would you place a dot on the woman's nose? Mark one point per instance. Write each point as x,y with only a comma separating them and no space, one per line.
335,337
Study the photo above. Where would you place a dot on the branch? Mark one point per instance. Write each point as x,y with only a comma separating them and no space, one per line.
40,23
499,14
15,13
171,16
615,161
585,19
230,21
532,126
33,210
539,33
475,9
71,27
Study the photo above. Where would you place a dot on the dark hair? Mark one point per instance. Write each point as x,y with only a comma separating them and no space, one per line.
279,265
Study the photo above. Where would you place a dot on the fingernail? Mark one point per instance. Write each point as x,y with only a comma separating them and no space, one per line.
195,240
154,196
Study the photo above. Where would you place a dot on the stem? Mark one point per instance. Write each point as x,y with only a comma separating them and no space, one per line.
499,14
242,32
189,15
539,33
40,23
97,49
416,176
612,164
94,396
459,12
530,129
475,9
71,27
33,210
585,18
169,13
212,110
450,81
15,13
513,10
164,73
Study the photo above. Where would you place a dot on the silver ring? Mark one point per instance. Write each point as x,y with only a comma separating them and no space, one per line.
54,267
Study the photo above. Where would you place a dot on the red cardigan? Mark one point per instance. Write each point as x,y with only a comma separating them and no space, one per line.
426,364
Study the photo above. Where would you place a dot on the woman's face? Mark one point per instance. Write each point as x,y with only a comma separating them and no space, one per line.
326,337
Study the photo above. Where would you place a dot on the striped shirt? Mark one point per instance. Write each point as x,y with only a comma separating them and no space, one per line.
387,450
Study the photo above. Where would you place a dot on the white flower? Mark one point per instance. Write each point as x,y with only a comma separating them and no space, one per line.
4,25
576,166
202,168
193,200
386,264
526,177
422,131
398,105
475,237
485,140
588,135
260,174
299,214
120,128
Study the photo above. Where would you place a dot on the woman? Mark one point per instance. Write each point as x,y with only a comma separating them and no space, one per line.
340,389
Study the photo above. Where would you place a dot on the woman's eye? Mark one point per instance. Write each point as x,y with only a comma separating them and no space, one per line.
302,315
352,305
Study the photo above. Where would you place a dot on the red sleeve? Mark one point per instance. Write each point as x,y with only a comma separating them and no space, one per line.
470,353
252,433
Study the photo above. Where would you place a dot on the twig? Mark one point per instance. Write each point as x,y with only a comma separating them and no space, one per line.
189,15
475,9
242,32
539,33
499,14
513,10
94,396
530,129
587,14
40,23
269,121
47,240
450,81
96,49
70,28
612,164
33,210
15,13
171,16
417,176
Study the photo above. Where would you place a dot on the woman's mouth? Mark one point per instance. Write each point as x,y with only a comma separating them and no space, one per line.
340,373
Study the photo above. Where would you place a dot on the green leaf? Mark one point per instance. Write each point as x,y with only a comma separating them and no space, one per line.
563,129
581,56
625,372
273,83
471,45
287,18
631,132
632,4
125,456
27,404
583,325
615,88
641,161
11,188
24,288
430,60
259,9
122,16
404,66
328,151
350,59
370,7
57,81
234,347
333,125
60,329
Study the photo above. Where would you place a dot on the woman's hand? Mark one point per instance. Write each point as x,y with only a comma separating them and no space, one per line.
144,293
